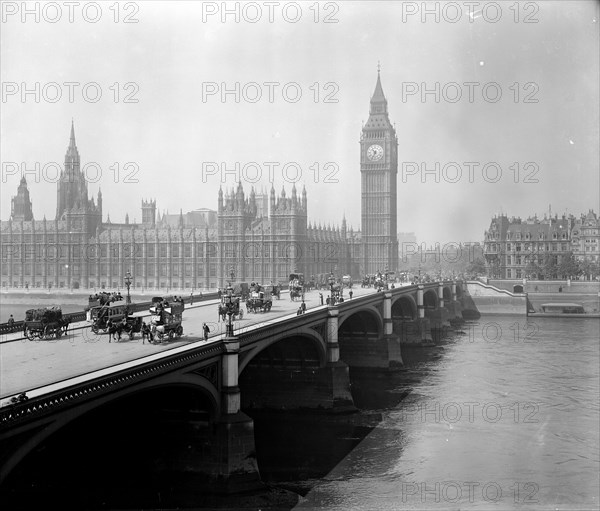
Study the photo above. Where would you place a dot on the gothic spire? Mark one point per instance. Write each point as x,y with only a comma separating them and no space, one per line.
378,101
72,152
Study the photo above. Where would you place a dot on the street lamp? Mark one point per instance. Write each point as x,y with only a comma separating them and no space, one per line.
128,281
331,281
232,273
230,304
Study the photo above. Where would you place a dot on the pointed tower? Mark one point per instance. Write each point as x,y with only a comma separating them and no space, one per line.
21,203
72,187
379,169
149,213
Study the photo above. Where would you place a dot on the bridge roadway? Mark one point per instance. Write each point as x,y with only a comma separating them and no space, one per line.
27,365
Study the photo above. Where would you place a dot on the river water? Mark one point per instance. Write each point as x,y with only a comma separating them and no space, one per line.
506,418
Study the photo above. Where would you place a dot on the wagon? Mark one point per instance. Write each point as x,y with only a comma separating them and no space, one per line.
100,315
165,322
44,323
259,301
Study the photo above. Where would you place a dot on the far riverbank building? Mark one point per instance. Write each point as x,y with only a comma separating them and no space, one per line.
251,237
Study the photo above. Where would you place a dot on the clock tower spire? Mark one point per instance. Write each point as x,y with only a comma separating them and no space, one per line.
379,170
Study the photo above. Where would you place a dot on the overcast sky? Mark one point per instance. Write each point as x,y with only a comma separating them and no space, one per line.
538,141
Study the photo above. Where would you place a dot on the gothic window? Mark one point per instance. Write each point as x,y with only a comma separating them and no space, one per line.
187,250
175,251
150,250
163,250
164,268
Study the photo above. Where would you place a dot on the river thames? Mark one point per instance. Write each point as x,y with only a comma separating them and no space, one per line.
506,418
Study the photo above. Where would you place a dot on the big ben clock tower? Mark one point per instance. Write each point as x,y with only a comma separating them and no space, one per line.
379,169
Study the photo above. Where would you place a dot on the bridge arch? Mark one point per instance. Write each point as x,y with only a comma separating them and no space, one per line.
365,319
447,294
430,299
99,429
404,307
288,369
307,335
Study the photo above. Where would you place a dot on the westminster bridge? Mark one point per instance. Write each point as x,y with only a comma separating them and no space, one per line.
193,395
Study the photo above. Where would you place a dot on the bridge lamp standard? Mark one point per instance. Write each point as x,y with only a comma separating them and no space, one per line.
128,279
331,281
230,304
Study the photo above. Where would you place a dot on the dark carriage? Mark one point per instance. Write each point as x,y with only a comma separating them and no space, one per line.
100,316
166,318
259,301
274,291
296,286
46,323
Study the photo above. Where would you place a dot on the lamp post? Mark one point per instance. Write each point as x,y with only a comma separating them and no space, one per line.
230,304
128,280
331,281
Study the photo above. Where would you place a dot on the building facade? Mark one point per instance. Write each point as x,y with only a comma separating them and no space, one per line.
248,238
379,170
515,248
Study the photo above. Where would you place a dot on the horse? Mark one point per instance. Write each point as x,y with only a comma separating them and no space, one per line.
115,330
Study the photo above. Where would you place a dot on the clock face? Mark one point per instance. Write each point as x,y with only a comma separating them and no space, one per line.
375,152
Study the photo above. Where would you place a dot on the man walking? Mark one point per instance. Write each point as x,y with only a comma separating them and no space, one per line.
206,331
350,294
321,298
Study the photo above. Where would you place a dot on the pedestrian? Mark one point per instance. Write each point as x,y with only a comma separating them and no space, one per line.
11,321
321,298
328,301
144,332
299,311
206,331
350,294
191,298
303,307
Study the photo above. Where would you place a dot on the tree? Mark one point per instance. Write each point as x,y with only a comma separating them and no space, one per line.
568,266
589,269
549,267
532,270
477,267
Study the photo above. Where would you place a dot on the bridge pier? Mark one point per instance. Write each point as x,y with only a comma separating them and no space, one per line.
232,465
455,309
423,322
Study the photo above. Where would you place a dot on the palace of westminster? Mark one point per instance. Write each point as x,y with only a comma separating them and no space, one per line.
251,237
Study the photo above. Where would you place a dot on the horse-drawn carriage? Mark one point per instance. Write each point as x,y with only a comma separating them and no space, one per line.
166,318
273,290
296,286
237,311
259,301
103,316
45,323
115,319
347,281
